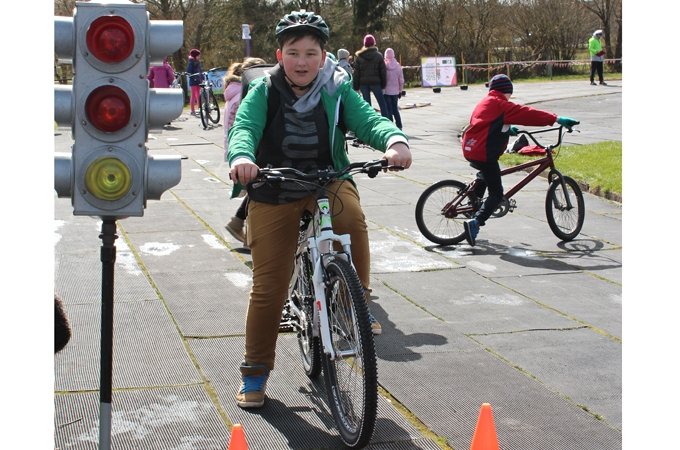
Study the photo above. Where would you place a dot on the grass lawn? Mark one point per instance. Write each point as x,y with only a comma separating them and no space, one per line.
596,165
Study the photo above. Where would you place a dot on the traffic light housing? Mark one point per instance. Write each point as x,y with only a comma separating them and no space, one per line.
111,108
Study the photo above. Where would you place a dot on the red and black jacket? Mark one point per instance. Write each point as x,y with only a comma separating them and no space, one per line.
484,139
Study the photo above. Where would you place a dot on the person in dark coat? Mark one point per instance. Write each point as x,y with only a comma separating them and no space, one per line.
195,77
370,73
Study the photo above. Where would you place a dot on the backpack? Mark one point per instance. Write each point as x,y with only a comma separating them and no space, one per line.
273,96
258,71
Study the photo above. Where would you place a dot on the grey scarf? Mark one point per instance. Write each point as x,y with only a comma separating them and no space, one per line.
330,77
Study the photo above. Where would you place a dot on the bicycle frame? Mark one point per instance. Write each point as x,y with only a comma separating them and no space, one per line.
541,164
320,245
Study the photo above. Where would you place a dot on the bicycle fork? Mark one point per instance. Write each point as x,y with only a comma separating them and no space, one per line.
567,197
321,246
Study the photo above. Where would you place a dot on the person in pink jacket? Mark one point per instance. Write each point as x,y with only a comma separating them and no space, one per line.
486,138
232,98
161,76
393,87
232,93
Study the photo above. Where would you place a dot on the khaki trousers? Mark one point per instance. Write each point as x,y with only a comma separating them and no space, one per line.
272,237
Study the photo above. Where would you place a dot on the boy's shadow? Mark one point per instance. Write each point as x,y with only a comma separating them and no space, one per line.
393,344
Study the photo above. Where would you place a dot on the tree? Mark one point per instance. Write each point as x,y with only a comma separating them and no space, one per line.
609,13
369,15
547,29
429,26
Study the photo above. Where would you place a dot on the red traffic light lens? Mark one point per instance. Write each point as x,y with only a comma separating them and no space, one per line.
108,108
110,39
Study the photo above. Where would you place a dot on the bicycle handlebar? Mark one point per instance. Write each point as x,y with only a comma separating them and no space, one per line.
545,130
323,176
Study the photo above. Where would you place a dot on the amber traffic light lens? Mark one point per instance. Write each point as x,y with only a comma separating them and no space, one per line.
108,178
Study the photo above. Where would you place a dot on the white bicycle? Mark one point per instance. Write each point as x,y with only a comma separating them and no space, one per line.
327,309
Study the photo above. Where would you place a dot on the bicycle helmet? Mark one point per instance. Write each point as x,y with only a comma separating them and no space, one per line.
306,19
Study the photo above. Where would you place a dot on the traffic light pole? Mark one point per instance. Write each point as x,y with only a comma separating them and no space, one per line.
108,259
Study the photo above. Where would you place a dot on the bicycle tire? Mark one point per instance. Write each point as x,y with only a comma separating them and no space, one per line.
352,378
213,108
431,222
203,106
565,223
301,292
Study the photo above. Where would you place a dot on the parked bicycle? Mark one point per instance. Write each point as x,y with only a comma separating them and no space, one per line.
327,309
177,82
443,207
209,107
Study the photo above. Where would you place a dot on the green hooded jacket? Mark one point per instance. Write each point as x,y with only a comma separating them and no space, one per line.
369,126
594,46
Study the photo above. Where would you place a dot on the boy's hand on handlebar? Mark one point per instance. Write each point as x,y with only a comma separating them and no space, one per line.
567,122
244,171
398,155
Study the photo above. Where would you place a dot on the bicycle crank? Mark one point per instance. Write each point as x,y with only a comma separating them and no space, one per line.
505,207
289,320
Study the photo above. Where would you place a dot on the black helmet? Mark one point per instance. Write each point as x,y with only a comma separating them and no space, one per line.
303,18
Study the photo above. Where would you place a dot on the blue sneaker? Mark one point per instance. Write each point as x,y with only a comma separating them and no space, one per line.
253,384
471,231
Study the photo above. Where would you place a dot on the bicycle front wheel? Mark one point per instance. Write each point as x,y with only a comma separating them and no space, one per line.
204,106
565,221
214,108
433,223
301,293
352,377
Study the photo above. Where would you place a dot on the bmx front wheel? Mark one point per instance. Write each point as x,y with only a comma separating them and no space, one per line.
565,218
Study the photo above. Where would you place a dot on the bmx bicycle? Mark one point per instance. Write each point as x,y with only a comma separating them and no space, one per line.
444,206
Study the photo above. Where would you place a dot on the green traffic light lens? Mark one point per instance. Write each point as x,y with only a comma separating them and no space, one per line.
108,179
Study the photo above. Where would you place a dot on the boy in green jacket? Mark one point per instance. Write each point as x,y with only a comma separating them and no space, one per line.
303,133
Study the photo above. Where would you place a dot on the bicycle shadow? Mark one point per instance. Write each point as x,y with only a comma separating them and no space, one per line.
579,254
299,433
395,345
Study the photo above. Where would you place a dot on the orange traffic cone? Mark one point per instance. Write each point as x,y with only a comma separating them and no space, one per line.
485,432
238,438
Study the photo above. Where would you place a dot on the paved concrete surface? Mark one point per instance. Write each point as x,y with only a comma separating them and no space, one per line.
524,322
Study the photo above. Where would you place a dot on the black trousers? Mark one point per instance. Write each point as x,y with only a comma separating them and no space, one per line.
489,177
242,211
596,66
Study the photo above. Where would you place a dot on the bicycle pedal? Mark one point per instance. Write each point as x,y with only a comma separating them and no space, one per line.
512,204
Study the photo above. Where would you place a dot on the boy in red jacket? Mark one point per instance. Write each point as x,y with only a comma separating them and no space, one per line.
486,138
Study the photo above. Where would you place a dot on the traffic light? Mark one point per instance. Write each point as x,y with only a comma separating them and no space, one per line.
111,108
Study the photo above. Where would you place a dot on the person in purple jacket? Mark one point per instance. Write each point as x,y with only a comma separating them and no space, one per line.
161,76
486,138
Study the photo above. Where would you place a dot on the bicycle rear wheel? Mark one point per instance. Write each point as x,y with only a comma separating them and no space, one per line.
431,221
204,107
352,378
565,222
214,108
301,293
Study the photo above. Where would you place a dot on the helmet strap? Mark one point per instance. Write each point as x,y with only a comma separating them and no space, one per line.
306,86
